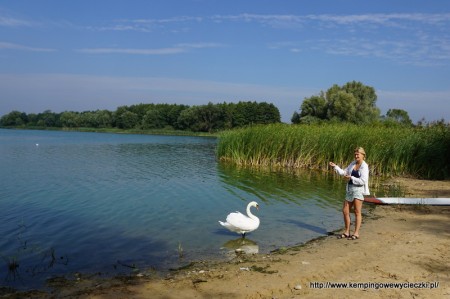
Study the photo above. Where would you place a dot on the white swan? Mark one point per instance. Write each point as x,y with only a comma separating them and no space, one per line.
241,224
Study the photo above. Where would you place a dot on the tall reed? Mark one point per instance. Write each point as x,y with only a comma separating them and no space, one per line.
398,151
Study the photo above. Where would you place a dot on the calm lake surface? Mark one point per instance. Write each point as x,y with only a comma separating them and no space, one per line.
94,202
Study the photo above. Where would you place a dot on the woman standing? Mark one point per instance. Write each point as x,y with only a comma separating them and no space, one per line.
357,174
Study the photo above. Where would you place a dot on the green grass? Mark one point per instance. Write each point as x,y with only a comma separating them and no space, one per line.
422,152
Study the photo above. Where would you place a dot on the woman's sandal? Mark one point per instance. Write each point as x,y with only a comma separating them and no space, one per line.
343,236
353,237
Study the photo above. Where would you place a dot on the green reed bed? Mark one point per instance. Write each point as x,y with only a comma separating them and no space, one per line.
419,152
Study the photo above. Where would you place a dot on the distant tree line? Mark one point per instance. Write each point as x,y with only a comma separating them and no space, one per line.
353,102
203,118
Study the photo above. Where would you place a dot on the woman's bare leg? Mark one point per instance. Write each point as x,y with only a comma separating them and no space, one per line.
357,204
346,213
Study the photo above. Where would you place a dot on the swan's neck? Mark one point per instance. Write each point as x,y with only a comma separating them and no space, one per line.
250,215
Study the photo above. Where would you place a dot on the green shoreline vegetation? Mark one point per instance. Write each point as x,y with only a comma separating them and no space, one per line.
420,152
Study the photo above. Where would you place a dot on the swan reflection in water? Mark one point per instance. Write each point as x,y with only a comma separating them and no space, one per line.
242,245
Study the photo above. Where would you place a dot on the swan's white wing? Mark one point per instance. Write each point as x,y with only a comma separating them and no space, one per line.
242,222
232,227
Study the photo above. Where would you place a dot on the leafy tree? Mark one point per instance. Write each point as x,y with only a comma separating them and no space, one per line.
172,112
103,118
267,113
32,119
153,119
352,102
309,120
117,115
189,119
226,112
399,115
246,113
295,119
240,114
48,119
70,119
342,106
140,109
315,106
205,118
14,118
209,117
127,120
366,110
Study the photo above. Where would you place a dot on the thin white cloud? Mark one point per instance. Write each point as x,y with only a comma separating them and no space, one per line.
285,20
14,22
12,46
161,51
200,45
386,19
423,51
180,48
383,19
168,20
120,27
146,25
420,39
414,52
275,20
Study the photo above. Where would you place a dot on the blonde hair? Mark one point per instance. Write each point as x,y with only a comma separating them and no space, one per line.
361,151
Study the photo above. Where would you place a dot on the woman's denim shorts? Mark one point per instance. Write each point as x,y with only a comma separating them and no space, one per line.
354,192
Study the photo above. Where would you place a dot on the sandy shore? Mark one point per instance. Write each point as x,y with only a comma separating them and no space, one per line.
407,246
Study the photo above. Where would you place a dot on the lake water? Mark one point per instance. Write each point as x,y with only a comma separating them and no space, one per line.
94,202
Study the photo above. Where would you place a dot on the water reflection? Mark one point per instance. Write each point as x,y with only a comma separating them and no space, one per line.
283,187
241,245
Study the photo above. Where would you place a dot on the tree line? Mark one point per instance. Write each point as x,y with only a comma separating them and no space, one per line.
202,118
352,102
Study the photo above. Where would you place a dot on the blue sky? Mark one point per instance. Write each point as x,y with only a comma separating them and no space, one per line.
101,54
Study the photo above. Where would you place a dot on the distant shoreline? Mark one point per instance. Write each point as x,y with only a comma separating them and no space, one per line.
118,131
